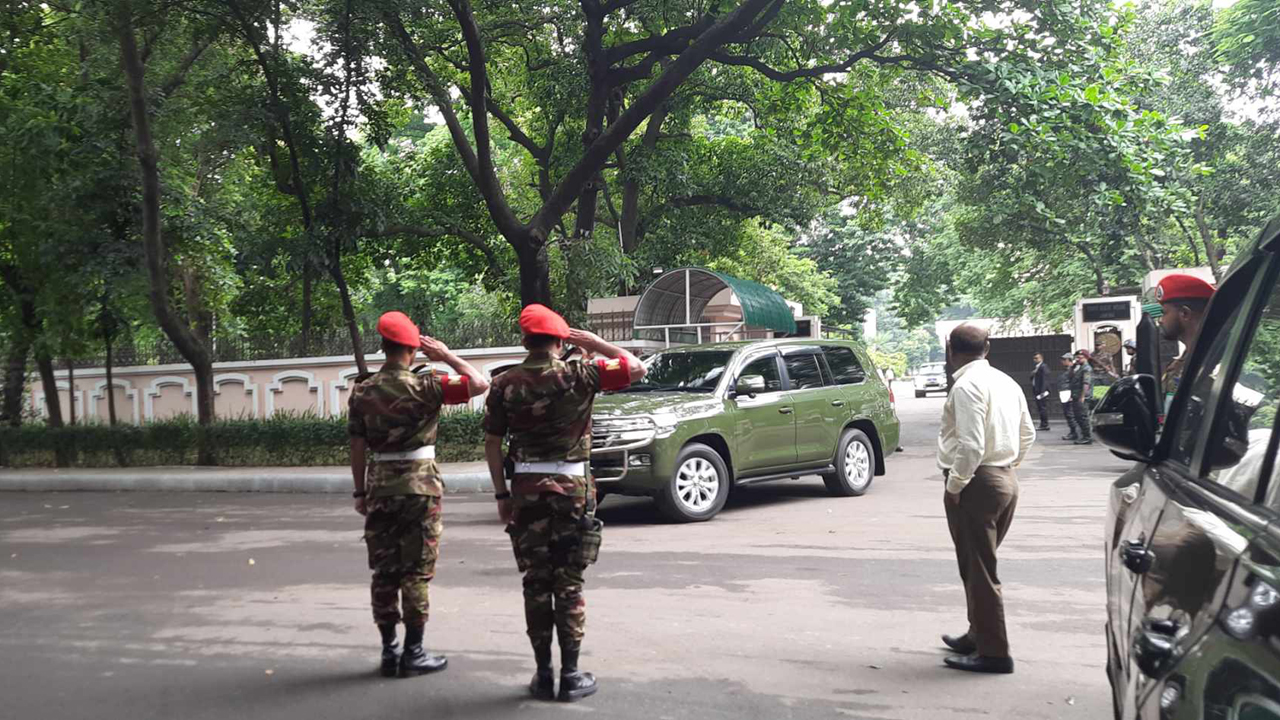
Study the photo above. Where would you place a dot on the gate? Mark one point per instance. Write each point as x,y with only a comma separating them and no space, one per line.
1013,357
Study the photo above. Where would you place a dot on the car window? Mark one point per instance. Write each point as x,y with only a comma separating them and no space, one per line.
767,368
844,365
1241,438
1189,428
803,371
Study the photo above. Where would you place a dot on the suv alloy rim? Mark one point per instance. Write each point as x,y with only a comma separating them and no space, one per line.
697,484
857,464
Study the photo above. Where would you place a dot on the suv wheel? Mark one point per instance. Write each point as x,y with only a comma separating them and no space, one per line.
699,487
855,465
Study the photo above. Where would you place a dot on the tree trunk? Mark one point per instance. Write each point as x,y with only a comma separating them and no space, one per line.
535,272
52,402
71,393
306,308
178,331
1210,247
107,338
15,379
348,311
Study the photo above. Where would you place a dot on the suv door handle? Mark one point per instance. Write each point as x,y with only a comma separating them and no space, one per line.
1153,646
837,403
1136,557
784,410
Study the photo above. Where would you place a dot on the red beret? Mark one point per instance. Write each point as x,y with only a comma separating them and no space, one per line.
541,320
398,328
1182,287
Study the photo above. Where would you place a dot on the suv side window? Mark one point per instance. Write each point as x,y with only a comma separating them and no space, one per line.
765,366
804,371
844,365
1241,438
1189,428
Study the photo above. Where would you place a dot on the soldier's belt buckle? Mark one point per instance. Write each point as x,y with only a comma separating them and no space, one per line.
427,452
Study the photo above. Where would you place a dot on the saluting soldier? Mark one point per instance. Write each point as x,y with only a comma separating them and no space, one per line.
542,408
1183,298
392,421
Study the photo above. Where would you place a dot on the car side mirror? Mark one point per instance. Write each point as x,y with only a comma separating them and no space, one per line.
1126,421
750,385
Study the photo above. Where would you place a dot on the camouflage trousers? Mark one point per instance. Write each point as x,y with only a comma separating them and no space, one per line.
555,537
402,533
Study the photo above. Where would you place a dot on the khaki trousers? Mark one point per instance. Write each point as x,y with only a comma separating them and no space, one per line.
978,525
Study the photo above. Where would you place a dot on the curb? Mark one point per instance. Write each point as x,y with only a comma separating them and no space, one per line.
212,481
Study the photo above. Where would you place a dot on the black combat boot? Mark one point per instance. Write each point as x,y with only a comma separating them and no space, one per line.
415,660
543,685
390,649
574,684
1071,436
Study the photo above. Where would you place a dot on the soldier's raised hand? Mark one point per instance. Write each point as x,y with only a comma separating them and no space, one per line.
584,339
433,348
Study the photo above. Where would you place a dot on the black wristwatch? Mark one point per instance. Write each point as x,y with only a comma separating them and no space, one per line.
358,494
501,495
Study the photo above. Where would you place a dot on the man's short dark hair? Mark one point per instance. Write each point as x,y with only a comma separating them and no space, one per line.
969,339
394,348
540,342
1195,305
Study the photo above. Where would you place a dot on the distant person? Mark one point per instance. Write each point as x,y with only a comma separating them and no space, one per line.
392,420
1081,391
888,375
1040,389
1064,396
1130,357
986,432
1184,299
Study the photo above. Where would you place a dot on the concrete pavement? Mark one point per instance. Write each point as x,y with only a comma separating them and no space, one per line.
791,604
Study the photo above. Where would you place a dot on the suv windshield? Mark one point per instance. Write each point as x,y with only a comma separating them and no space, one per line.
698,371
932,369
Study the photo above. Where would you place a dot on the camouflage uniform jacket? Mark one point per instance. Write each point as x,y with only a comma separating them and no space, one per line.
543,407
398,411
1081,382
1173,374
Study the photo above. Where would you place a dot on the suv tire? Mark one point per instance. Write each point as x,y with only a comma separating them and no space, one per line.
698,488
855,465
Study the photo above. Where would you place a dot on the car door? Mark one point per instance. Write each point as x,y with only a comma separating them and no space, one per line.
1181,566
1230,658
764,425
820,408
866,395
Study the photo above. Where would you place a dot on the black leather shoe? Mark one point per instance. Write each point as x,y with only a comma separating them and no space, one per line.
417,661
962,644
1072,437
1085,441
543,685
1044,427
980,664
578,685
390,650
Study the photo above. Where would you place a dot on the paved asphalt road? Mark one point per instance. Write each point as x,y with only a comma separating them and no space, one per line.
791,604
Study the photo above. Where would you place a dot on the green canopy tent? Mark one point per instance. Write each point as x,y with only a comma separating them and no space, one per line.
673,308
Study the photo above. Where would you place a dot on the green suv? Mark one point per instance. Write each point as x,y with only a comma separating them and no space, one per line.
709,417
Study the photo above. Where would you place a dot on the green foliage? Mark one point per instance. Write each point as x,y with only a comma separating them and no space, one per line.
282,440
1247,35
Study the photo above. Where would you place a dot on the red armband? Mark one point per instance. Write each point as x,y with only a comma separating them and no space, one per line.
457,389
614,373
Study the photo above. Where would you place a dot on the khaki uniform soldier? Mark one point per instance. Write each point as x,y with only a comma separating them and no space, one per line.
1183,298
1081,391
394,415
543,409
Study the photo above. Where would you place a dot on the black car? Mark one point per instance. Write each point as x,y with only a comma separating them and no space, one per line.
1193,532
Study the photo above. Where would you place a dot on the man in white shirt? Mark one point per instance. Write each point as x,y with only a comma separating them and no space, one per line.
986,432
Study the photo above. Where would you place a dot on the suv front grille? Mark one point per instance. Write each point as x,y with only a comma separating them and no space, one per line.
621,433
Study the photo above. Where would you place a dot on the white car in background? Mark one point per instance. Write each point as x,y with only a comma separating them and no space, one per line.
931,377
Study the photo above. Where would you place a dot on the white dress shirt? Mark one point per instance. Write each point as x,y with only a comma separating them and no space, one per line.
985,421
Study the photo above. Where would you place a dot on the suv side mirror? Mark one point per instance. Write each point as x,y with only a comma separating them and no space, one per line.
750,385
1125,419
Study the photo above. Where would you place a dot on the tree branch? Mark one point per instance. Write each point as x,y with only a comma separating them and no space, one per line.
810,72
179,75
474,239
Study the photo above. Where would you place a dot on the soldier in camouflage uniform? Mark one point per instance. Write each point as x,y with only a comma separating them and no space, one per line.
543,409
1183,298
1081,391
394,415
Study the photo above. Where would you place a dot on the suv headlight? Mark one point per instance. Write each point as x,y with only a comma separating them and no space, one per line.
620,433
664,424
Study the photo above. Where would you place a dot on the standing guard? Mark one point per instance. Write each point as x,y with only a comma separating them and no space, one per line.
542,408
394,415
